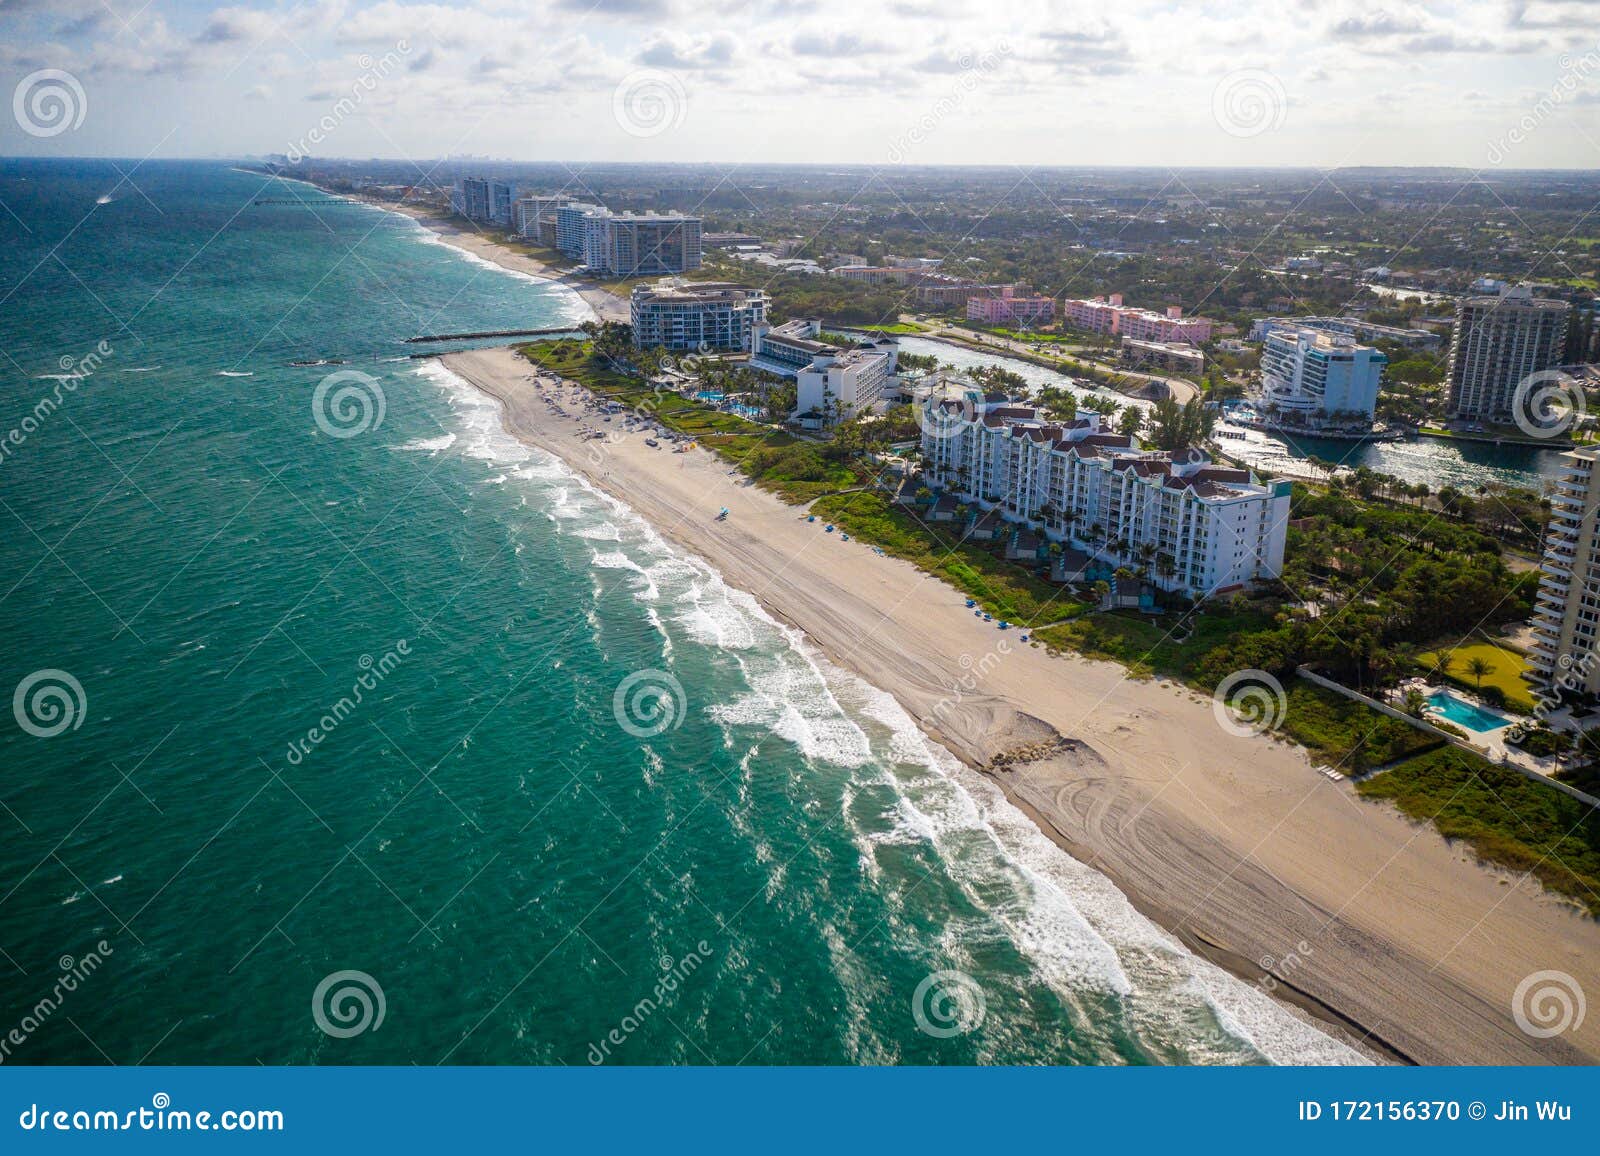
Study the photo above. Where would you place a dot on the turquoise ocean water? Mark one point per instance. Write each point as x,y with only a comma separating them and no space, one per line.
789,874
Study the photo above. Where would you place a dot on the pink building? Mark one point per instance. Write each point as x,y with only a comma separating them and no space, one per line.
1109,315
1012,308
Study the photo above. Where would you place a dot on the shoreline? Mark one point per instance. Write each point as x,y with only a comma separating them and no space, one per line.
605,305
1236,846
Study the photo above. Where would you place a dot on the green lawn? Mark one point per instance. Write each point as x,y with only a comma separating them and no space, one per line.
1349,736
1004,589
1505,818
1506,674
1143,643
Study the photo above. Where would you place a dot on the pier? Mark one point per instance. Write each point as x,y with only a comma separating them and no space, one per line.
492,333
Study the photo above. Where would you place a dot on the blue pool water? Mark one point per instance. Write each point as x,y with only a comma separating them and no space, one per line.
1464,713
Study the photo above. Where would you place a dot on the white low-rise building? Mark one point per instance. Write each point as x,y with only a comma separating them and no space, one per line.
1181,521
831,381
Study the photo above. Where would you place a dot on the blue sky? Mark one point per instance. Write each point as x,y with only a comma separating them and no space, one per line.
1483,84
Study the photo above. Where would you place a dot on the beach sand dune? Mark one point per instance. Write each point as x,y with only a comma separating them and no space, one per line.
1235,844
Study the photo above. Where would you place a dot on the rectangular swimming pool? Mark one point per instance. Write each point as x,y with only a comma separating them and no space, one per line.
1464,713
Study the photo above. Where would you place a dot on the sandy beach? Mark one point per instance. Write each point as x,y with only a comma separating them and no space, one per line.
1235,844
488,247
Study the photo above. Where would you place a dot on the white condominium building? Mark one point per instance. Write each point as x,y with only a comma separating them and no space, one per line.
696,315
1186,524
643,244
831,381
1312,373
536,218
1566,613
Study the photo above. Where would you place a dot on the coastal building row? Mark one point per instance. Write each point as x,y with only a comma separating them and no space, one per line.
1188,524
1566,610
629,244
488,201
1110,316
1313,376
608,243
1497,344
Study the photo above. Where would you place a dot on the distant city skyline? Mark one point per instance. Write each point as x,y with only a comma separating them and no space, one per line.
1485,85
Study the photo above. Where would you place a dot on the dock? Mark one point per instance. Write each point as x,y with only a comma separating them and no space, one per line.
492,333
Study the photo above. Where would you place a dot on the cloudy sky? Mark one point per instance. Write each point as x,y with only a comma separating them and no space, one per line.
1343,82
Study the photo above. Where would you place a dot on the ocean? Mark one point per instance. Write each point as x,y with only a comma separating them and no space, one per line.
332,739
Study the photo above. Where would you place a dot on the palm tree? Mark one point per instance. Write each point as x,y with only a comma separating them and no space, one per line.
1442,659
1477,667
1415,703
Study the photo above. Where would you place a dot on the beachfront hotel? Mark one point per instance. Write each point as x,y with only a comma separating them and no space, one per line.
1110,316
1008,306
696,315
1186,524
1566,611
1498,342
1313,375
831,381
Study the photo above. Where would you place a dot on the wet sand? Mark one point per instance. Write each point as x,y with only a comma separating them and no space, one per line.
1235,844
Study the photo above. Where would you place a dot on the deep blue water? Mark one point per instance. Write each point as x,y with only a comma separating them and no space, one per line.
789,873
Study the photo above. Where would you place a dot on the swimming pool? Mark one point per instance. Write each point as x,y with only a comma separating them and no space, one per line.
1464,713
710,395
